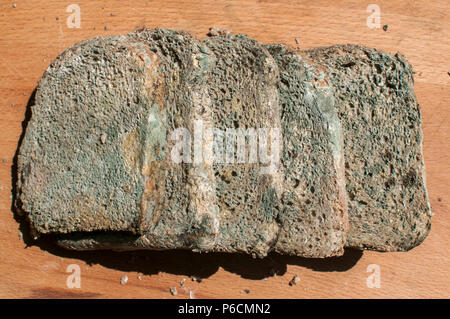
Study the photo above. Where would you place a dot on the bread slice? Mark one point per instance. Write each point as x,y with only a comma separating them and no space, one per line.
314,219
389,208
243,91
72,166
180,205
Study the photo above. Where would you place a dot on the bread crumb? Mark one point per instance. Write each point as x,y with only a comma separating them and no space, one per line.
182,281
216,32
194,278
173,291
103,138
106,28
14,5
294,280
123,280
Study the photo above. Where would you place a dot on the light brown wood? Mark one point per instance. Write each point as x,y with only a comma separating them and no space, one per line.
35,32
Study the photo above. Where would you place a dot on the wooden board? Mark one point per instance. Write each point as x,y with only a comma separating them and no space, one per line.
35,32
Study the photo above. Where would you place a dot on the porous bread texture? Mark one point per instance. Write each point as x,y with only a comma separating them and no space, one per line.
389,208
243,91
314,216
178,209
67,176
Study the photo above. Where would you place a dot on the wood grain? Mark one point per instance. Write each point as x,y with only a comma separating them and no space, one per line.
35,32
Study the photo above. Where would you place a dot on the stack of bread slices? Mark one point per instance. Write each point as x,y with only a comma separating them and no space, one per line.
97,168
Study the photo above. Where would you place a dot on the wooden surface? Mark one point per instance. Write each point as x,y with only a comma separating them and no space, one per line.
35,32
